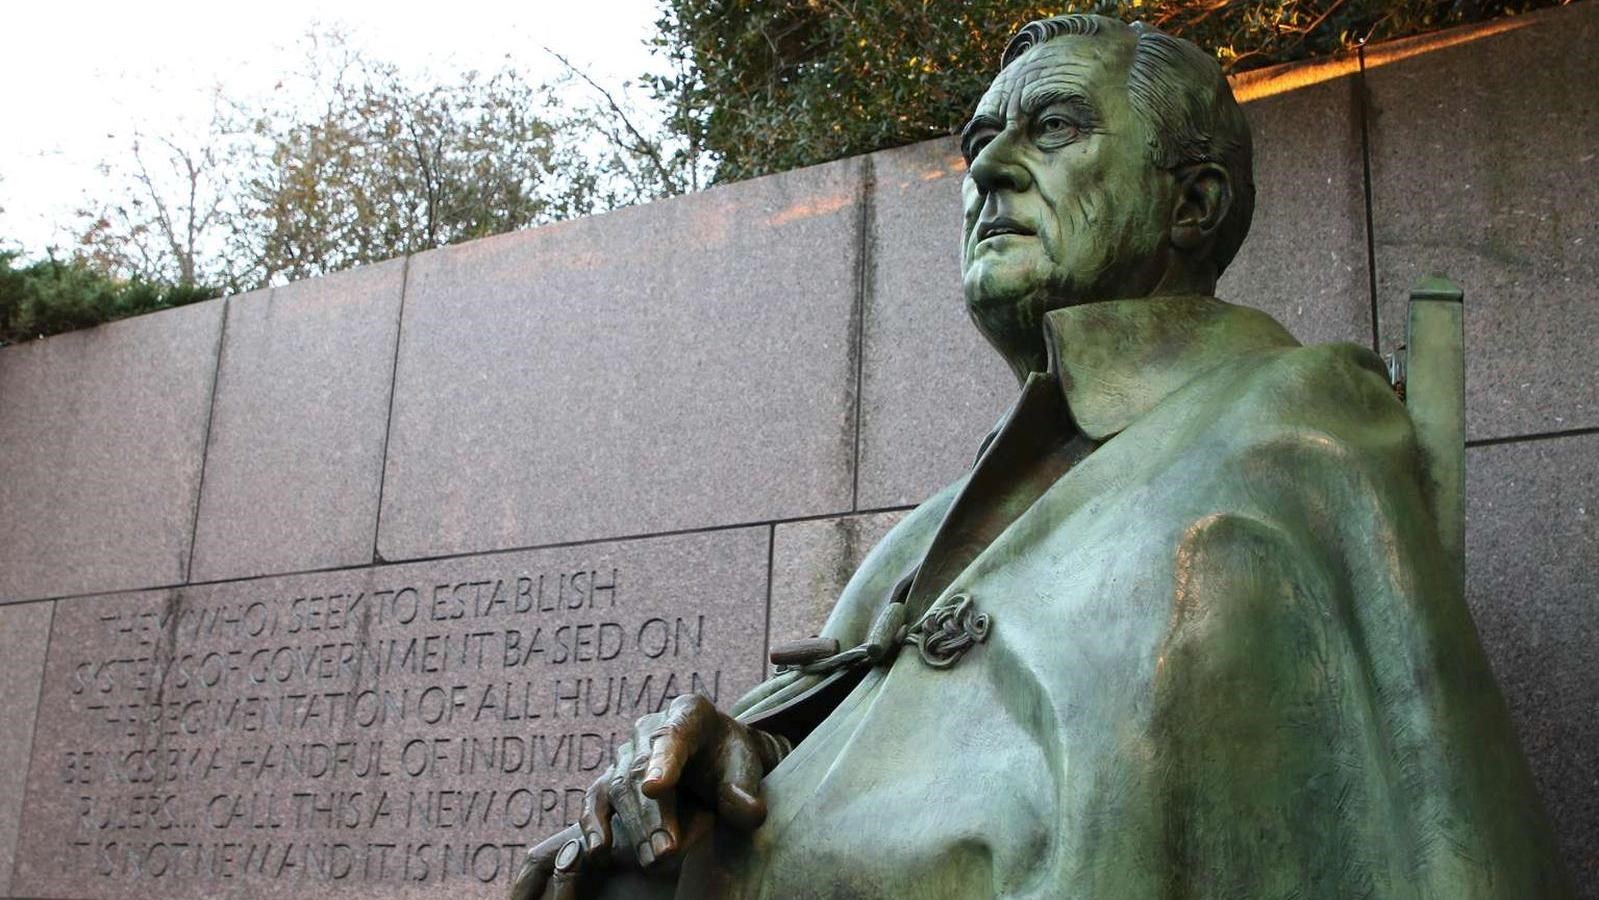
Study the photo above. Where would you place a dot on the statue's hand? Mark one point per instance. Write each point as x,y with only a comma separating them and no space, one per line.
690,751
551,867
633,812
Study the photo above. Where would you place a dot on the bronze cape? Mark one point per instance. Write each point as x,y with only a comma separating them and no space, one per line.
1227,656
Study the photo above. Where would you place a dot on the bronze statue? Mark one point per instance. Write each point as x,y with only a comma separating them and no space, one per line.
1188,628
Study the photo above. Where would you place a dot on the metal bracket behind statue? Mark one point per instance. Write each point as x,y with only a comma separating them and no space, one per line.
1433,382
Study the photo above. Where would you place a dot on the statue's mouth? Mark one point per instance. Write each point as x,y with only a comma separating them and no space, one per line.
1002,226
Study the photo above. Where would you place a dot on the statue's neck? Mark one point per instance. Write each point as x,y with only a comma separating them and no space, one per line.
1116,360
1178,279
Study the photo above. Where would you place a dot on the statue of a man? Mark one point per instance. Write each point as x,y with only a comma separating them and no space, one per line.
1186,629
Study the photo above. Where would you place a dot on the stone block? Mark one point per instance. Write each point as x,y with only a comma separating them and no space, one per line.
1532,538
811,563
297,431
681,365
24,633
1304,261
386,732
931,387
102,431
1484,169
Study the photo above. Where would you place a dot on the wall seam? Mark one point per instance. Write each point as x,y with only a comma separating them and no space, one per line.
388,422
465,554
865,274
33,737
771,573
1528,438
1362,112
205,444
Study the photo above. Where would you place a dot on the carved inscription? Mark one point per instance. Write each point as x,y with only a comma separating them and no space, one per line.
385,728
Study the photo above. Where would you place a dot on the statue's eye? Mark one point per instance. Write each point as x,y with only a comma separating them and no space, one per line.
1056,126
975,142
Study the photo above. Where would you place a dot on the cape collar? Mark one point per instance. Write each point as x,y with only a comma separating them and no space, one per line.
1117,359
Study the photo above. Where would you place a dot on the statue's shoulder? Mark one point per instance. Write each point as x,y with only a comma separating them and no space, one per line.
1333,397
1316,378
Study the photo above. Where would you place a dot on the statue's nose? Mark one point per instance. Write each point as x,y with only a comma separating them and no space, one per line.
996,167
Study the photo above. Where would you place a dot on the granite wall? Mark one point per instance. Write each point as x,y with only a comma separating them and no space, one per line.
350,585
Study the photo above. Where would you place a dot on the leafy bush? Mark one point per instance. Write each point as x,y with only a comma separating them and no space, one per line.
55,295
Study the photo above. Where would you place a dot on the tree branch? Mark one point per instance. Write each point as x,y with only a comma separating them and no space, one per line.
648,148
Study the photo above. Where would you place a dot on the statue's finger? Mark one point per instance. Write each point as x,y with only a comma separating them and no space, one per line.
738,791
595,817
689,722
537,865
650,821
564,877
771,748
562,887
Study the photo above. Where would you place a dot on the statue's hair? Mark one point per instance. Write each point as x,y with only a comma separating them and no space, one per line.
1181,94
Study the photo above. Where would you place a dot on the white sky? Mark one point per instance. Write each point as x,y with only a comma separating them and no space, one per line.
80,75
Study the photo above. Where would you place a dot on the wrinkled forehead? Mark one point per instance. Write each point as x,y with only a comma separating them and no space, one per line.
1094,66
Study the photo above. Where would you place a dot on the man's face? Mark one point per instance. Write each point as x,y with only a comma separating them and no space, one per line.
1062,203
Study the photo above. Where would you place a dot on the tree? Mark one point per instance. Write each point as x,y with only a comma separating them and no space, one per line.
353,160
165,225
777,84
350,161
653,158
385,167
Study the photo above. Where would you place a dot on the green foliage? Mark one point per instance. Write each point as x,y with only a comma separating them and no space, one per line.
389,168
352,161
771,85
55,295
357,162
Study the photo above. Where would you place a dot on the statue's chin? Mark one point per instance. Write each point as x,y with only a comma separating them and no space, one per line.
1009,302
1010,324
1000,291
995,313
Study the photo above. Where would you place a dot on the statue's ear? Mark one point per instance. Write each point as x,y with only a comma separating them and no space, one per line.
1204,196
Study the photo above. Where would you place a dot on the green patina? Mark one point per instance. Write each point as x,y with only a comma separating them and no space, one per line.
1192,626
